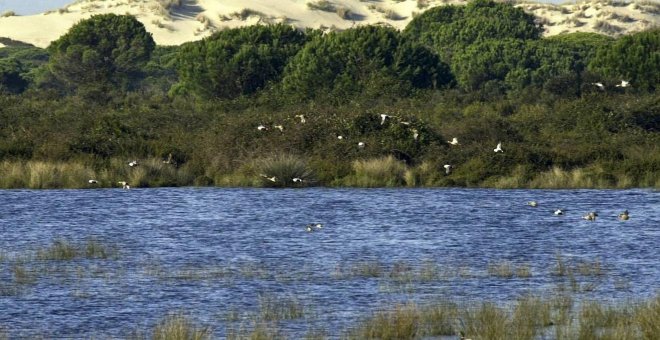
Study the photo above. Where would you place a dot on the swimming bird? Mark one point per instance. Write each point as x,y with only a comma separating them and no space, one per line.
133,163
448,168
302,119
297,180
279,127
624,215
309,228
599,85
124,185
559,212
591,216
453,141
498,148
532,204
314,225
623,84
262,128
93,181
361,145
272,179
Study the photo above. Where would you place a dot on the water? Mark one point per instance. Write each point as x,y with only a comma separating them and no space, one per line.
255,243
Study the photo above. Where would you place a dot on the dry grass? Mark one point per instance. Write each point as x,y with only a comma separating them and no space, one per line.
321,5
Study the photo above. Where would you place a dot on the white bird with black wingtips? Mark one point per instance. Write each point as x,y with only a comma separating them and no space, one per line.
448,168
498,148
453,141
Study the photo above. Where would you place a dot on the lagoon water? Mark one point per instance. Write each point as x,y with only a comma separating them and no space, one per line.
209,252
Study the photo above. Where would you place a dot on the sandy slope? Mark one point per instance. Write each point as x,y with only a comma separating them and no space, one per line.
173,22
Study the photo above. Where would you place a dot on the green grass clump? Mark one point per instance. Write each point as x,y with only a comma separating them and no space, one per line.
272,308
62,250
377,172
284,168
180,327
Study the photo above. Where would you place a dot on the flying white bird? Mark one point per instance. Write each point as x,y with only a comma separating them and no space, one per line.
272,179
448,168
361,145
559,212
340,137
169,159
302,118
600,85
383,117
453,141
498,148
623,84
93,181
124,185
415,134
279,127
133,163
262,128
297,180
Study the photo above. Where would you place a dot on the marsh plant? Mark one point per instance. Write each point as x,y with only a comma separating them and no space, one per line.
62,250
281,170
180,327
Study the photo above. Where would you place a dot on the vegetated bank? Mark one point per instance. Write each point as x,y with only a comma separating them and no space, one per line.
573,110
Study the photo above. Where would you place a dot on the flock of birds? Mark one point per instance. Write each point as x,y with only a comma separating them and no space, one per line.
602,87
590,216
134,163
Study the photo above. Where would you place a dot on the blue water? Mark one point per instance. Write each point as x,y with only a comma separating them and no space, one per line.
256,238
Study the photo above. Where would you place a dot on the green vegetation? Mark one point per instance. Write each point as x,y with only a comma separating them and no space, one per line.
103,95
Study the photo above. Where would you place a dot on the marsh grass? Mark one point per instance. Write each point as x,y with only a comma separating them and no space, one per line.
377,172
76,174
274,308
62,250
284,168
180,327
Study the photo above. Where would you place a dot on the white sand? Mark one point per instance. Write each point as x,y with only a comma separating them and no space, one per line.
197,19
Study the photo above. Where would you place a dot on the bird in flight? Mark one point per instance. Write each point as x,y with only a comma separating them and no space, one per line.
384,117
599,85
262,128
272,179
623,84
297,180
361,145
448,168
498,148
415,134
453,141
302,119
559,212
133,163
279,127
93,181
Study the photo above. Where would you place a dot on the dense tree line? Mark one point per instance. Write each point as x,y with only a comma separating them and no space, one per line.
105,91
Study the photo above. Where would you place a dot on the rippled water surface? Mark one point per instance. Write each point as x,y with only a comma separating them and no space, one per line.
209,251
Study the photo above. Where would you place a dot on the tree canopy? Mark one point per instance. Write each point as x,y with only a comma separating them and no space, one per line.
106,50
237,61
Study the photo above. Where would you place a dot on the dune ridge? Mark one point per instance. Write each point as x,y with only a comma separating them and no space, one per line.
173,22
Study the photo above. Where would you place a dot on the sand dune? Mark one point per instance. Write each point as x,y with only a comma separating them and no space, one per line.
173,22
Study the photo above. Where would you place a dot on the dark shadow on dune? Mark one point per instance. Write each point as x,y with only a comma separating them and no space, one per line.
356,17
188,10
